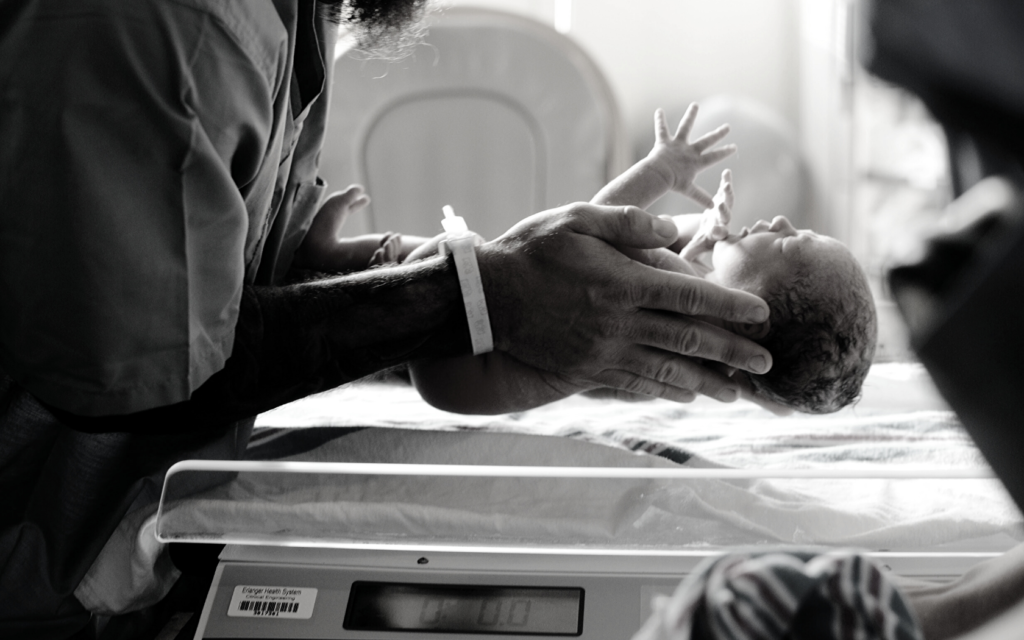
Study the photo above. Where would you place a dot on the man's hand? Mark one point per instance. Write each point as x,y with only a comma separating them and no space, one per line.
680,160
565,301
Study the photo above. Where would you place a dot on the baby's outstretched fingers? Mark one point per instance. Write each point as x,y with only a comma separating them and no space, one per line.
719,231
709,158
722,217
724,198
661,133
710,139
714,224
686,124
675,161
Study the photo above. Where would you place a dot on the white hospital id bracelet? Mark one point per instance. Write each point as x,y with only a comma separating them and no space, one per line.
461,244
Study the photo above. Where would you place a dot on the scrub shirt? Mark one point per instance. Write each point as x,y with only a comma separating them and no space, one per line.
154,158
156,155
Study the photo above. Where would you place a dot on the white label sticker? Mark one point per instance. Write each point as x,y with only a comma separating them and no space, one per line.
272,602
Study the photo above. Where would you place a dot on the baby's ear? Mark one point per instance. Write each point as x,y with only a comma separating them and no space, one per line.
752,331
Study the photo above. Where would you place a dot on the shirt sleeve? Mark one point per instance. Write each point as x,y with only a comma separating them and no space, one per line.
129,129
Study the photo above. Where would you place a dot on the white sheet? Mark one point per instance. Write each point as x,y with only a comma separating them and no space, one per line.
900,422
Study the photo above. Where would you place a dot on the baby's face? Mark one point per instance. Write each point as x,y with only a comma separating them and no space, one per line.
757,257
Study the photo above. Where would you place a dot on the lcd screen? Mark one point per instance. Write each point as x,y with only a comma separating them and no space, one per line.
478,609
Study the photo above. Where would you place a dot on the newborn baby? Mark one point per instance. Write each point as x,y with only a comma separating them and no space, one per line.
821,331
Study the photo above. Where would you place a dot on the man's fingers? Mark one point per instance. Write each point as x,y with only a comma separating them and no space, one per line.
709,140
696,339
664,259
630,384
686,124
582,309
664,374
694,296
623,226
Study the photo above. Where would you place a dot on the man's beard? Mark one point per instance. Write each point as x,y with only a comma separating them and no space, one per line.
387,29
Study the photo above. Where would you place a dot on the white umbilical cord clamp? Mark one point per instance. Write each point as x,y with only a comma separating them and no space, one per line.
461,244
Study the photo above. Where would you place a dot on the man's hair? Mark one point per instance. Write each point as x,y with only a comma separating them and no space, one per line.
387,29
822,335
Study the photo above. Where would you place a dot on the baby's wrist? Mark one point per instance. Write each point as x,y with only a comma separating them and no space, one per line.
658,165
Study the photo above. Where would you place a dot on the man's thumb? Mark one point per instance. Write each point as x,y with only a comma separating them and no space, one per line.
630,227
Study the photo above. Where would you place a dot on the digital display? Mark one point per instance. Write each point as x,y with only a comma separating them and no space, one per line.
480,609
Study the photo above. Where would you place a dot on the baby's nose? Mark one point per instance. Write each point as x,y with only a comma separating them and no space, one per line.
781,224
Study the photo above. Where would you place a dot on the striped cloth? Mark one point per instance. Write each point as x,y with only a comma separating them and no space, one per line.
798,595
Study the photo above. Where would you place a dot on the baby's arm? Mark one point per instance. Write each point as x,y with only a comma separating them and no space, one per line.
672,165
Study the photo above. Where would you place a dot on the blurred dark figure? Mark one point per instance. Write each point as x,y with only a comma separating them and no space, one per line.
964,300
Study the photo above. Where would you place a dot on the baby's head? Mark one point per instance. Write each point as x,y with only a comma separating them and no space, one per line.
822,329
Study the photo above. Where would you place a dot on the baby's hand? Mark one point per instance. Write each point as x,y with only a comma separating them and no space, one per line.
389,251
714,224
683,160
323,248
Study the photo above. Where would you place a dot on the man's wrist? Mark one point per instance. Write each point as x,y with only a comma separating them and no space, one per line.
462,250
374,311
491,260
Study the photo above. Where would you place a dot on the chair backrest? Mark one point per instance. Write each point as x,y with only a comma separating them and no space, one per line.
498,115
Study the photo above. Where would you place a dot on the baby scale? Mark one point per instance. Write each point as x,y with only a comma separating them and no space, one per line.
416,552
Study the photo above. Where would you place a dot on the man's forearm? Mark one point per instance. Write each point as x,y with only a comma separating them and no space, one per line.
301,339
